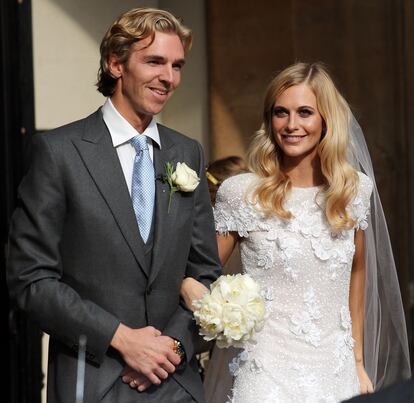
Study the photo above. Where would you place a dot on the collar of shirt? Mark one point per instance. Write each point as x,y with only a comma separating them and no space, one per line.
121,130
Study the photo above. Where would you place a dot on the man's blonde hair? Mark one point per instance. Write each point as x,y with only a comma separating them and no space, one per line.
129,28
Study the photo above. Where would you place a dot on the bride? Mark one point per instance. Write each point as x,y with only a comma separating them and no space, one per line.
312,234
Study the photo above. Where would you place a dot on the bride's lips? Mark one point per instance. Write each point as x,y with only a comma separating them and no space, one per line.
293,139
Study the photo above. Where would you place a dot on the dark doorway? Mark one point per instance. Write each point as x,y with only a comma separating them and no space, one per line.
23,377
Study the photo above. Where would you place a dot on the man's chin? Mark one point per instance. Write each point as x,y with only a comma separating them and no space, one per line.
156,109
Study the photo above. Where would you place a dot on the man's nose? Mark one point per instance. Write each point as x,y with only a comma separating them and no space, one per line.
167,74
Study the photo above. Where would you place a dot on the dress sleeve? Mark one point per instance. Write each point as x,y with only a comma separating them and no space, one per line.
232,211
361,204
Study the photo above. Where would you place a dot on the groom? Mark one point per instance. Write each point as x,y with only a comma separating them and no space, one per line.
97,246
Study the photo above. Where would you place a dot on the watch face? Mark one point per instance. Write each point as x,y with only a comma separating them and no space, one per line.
178,349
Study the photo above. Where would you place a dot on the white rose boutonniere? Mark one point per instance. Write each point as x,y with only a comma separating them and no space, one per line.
183,179
232,312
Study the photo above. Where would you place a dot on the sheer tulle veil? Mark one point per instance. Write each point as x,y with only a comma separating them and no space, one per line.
386,355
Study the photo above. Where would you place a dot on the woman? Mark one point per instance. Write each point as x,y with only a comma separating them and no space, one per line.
301,219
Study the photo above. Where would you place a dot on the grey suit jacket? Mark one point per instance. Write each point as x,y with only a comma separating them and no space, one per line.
76,262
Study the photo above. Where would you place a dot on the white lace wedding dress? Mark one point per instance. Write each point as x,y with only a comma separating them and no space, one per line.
305,351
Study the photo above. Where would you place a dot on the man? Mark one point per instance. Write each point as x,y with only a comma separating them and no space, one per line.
100,243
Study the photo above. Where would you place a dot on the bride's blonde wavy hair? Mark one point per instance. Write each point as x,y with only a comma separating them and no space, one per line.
264,156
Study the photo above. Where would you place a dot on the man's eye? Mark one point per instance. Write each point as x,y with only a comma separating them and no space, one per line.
153,62
177,67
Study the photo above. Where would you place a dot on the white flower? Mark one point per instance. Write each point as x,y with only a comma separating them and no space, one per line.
232,312
346,321
256,366
265,256
185,178
302,323
344,349
268,294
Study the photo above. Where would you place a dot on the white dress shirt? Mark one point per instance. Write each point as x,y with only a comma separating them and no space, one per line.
122,132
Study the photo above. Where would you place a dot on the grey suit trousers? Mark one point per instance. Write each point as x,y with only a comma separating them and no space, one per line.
168,392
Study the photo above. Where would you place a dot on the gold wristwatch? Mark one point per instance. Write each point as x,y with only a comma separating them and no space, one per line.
179,349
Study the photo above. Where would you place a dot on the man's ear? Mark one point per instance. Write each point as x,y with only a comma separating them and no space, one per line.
115,67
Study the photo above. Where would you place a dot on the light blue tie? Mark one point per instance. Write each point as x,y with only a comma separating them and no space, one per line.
143,186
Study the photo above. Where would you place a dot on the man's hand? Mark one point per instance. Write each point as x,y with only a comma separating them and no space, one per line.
135,379
146,351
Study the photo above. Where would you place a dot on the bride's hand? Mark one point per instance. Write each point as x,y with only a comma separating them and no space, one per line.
364,381
192,289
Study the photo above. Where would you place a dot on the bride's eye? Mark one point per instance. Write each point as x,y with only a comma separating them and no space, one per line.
280,112
305,112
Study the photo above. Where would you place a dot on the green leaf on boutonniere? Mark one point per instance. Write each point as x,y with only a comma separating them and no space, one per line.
169,170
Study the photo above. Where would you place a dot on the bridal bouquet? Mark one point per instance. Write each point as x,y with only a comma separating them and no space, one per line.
231,312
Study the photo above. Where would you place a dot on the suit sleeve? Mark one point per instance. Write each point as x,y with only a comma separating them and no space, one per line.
203,263
34,267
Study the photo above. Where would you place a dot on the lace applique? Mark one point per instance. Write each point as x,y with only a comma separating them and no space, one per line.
360,206
310,301
241,359
309,382
268,293
273,396
268,296
233,212
323,248
336,270
306,379
361,212
307,219
303,323
338,252
256,366
237,362
289,247
243,220
346,321
265,255
344,342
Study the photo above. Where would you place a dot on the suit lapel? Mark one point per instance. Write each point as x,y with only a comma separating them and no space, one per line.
164,218
102,162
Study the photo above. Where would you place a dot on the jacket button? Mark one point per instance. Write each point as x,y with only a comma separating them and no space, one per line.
149,290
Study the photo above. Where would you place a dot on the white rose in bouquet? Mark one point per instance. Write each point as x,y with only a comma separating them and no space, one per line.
232,312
